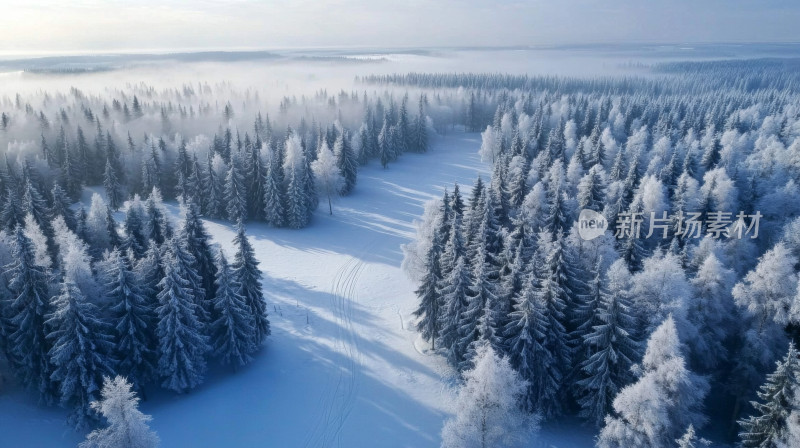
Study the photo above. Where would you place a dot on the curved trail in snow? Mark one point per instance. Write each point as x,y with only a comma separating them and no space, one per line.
339,397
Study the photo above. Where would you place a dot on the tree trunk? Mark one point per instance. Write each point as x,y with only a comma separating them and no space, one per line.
330,207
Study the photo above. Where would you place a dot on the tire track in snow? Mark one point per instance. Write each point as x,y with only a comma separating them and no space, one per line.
339,398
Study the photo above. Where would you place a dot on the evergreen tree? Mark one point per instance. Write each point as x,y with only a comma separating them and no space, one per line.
112,186
61,207
611,348
526,338
134,322
214,192
428,311
247,274
157,227
297,215
778,398
346,161
34,204
27,311
233,332
11,214
80,352
274,211
182,345
197,243
667,398
256,176
235,191
135,237
127,426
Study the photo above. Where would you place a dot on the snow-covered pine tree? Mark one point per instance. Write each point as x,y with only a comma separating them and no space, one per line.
487,407
135,237
653,412
346,161
247,274
610,346
81,346
213,190
134,321
591,189
112,186
552,292
296,212
778,398
711,311
34,204
274,197
11,214
61,207
481,321
235,191
428,310
127,426
689,439
454,293
420,130
233,332
157,226
197,243
182,344
27,311
255,178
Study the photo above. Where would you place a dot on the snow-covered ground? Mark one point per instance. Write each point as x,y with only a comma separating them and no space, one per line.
343,367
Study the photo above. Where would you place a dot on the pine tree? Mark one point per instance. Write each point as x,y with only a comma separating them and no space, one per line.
80,353
233,332
347,163
420,131
27,311
481,321
297,215
777,400
182,346
11,214
610,347
135,238
667,398
274,211
591,193
157,227
197,243
526,338
61,207
256,176
235,191
112,186
34,204
428,311
690,440
127,426
214,192
247,274
134,322
552,292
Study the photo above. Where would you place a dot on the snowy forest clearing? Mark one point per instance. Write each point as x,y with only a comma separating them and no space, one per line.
343,365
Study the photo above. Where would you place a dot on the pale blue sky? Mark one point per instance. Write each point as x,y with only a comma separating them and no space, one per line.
49,26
